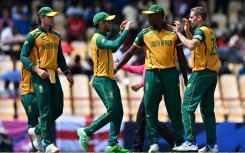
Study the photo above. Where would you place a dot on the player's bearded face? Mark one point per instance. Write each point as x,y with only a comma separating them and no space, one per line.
154,19
49,20
193,20
107,25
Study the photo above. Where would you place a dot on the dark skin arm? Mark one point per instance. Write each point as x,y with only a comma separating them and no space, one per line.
182,63
126,57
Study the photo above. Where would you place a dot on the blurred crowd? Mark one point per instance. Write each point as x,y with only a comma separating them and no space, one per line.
18,17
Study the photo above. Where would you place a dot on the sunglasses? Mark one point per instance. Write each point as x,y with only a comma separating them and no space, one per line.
108,21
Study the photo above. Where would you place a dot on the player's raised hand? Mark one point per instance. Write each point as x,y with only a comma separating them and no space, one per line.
122,26
128,24
178,26
186,23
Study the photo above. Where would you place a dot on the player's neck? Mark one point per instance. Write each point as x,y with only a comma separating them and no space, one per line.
160,26
45,27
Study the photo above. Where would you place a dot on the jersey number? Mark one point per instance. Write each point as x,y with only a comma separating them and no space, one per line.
214,47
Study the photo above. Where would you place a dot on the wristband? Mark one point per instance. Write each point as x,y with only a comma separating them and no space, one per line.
67,72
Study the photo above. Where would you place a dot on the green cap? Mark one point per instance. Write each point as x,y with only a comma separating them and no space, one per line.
46,11
154,9
102,16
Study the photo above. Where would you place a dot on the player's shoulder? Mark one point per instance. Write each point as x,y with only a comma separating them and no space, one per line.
204,29
53,31
35,33
171,28
145,30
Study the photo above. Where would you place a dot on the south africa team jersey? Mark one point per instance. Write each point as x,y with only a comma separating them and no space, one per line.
43,49
159,47
205,56
102,49
26,85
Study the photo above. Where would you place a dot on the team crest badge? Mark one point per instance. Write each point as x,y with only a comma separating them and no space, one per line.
103,40
111,94
29,109
147,86
40,88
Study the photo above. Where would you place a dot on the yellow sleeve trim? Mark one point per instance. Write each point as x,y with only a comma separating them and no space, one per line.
137,46
34,68
179,44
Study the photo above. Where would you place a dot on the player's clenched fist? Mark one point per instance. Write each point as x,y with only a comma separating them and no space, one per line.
42,73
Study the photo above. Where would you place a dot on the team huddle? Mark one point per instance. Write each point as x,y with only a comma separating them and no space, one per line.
42,95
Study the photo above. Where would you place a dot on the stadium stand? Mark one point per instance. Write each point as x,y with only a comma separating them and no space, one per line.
229,90
134,97
81,95
21,114
7,109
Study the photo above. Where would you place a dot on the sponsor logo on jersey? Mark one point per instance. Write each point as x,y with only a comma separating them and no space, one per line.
161,43
29,108
43,38
111,94
103,40
40,88
50,46
151,34
198,37
147,86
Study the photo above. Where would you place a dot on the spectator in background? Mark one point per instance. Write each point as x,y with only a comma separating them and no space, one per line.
221,4
131,13
75,23
76,27
24,25
242,70
6,144
74,8
6,36
238,21
18,9
76,66
107,6
90,13
6,18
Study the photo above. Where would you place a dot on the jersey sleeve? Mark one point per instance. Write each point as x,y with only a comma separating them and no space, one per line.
25,52
199,35
139,42
61,59
113,45
178,42
134,69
